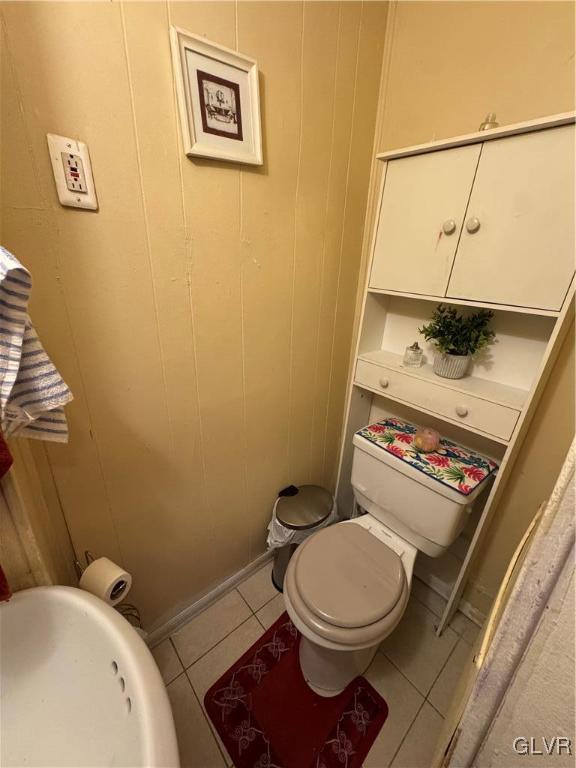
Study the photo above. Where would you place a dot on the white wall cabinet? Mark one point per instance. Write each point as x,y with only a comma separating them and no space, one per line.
522,203
420,221
480,222
484,220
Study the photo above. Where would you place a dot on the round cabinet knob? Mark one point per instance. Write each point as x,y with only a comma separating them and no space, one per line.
449,227
461,410
384,383
473,225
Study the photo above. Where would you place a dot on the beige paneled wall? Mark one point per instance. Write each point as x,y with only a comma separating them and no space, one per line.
447,65
35,547
203,316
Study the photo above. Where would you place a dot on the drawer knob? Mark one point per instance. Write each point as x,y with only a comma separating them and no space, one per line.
473,225
384,383
461,410
449,227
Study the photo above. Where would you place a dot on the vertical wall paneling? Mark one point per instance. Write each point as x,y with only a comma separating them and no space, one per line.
268,200
321,23
194,315
365,107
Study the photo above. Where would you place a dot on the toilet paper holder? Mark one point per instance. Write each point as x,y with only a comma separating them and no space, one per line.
79,568
128,610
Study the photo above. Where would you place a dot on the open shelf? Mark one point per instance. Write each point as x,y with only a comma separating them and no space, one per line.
493,391
466,302
503,373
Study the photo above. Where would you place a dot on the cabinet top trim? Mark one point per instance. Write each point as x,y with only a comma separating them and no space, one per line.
541,123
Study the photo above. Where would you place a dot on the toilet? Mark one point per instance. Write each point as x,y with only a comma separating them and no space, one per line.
347,586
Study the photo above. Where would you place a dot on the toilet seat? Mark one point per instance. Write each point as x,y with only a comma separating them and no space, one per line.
347,586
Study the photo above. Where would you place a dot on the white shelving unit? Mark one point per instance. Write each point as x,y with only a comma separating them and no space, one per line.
484,220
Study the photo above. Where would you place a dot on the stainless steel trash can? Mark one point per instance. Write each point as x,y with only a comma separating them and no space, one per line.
304,511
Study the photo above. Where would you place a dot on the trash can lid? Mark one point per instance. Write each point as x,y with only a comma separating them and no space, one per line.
309,507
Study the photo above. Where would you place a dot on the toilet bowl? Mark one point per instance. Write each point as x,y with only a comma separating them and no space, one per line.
347,586
346,589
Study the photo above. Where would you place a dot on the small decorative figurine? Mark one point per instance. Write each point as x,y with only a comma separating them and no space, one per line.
413,356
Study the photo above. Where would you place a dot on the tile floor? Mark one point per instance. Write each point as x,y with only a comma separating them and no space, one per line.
415,671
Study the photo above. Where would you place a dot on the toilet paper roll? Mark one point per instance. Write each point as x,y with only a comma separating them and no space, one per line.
106,580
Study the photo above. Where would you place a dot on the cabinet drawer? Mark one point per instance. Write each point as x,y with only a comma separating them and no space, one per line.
459,407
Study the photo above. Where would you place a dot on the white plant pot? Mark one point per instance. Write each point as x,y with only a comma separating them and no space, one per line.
451,366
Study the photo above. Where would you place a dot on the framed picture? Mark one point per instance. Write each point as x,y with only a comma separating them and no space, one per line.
218,100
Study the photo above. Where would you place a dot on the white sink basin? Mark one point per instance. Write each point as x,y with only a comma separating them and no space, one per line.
79,687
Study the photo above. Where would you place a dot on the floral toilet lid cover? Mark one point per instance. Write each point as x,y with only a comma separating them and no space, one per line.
452,465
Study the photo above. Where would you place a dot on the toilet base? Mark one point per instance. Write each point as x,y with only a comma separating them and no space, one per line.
327,672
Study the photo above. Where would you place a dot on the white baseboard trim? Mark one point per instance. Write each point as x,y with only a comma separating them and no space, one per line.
167,628
471,612
173,624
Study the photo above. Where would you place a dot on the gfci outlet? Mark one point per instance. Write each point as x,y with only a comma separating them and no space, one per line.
72,172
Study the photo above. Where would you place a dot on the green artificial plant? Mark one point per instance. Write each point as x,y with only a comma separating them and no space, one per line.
455,334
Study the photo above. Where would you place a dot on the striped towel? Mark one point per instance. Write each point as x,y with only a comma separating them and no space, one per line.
32,392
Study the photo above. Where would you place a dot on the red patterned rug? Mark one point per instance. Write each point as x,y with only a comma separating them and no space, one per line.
267,717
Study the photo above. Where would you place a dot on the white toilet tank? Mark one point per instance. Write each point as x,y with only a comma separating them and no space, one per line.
418,507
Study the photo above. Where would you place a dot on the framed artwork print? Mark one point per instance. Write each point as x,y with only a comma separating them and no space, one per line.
218,100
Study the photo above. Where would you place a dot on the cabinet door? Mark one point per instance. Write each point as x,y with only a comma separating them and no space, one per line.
413,253
518,243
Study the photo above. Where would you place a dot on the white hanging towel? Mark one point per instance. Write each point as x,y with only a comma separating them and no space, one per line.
32,392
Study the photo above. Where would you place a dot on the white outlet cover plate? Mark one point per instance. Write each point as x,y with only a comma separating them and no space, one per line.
60,146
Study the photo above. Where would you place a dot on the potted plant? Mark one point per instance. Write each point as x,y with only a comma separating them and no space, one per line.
456,338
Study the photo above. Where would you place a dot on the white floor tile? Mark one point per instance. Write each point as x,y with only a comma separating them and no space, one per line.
258,589
472,632
271,611
465,627
445,686
211,666
418,747
167,660
204,631
428,597
403,701
460,623
196,743
416,650
210,643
